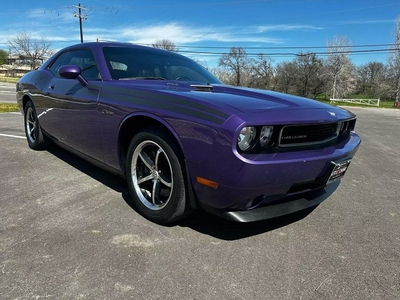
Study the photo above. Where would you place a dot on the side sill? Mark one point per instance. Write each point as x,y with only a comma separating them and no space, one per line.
89,159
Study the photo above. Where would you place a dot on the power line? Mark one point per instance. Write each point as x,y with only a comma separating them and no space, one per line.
285,47
350,52
347,49
368,51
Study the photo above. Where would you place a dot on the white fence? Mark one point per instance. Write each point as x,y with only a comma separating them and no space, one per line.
372,102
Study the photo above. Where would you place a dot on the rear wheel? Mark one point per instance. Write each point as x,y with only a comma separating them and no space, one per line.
155,177
33,131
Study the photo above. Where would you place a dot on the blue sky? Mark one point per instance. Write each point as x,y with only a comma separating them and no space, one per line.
208,28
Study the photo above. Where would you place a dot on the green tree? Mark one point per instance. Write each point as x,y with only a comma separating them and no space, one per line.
3,57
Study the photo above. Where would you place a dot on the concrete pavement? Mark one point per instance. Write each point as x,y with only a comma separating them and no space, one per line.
67,231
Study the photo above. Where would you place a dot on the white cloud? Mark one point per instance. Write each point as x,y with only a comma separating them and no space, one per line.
364,22
182,34
287,27
65,31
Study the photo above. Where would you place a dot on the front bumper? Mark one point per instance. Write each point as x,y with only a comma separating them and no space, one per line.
266,187
290,204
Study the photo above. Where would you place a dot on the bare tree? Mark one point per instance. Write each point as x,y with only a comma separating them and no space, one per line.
309,70
285,76
166,45
29,49
339,67
223,75
202,63
235,61
371,79
394,63
262,72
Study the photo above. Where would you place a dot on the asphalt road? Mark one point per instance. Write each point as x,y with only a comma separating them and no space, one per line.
67,231
7,93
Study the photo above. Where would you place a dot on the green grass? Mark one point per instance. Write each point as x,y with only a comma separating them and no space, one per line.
7,107
9,79
382,104
387,104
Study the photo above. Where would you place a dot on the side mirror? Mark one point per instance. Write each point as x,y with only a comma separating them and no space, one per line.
72,72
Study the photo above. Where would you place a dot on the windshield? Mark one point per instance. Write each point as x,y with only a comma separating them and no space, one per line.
129,63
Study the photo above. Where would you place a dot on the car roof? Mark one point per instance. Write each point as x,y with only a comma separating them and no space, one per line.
99,45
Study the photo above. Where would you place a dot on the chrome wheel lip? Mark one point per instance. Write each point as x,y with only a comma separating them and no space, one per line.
31,125
154,174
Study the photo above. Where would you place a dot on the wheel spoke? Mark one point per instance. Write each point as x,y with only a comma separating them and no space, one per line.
146,160
159,151
144,179
30,116
152,175
155,194
165,180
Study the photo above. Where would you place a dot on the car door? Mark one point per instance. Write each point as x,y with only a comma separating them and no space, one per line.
71,114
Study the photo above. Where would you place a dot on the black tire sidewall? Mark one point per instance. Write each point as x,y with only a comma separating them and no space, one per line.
38,143
176,207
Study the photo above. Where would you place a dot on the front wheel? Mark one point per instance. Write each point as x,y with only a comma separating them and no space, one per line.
155,177
33,131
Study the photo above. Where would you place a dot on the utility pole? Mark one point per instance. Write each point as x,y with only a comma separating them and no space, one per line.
81,17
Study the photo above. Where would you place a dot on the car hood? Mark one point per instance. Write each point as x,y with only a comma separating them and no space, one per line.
250,100
243,99
246,101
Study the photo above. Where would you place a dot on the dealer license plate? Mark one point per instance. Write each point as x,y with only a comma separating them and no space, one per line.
339,170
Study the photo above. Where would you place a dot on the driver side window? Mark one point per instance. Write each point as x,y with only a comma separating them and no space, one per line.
82,58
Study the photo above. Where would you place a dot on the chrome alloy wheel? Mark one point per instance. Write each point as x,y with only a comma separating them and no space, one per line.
31,125
152,175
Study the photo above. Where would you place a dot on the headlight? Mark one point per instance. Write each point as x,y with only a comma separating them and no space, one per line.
246,138
265,135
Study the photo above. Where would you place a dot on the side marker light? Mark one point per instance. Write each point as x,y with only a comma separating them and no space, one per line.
207,182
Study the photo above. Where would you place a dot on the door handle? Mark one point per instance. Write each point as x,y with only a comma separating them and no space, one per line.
52,86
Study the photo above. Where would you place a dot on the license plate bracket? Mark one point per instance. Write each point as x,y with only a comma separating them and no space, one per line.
338,170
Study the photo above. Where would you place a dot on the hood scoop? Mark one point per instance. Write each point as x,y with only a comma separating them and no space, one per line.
201,88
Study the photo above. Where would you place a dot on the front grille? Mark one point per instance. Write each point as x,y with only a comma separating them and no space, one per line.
303,135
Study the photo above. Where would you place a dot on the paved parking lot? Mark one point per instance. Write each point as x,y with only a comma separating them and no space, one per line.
67,231
7,92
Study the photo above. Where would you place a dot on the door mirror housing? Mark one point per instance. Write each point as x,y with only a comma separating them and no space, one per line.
72,72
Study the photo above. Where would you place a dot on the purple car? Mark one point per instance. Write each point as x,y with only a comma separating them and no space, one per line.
182,139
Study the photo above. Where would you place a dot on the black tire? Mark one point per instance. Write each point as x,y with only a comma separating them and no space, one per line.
155,175
33,131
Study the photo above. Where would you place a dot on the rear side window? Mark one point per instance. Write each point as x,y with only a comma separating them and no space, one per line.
82,58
